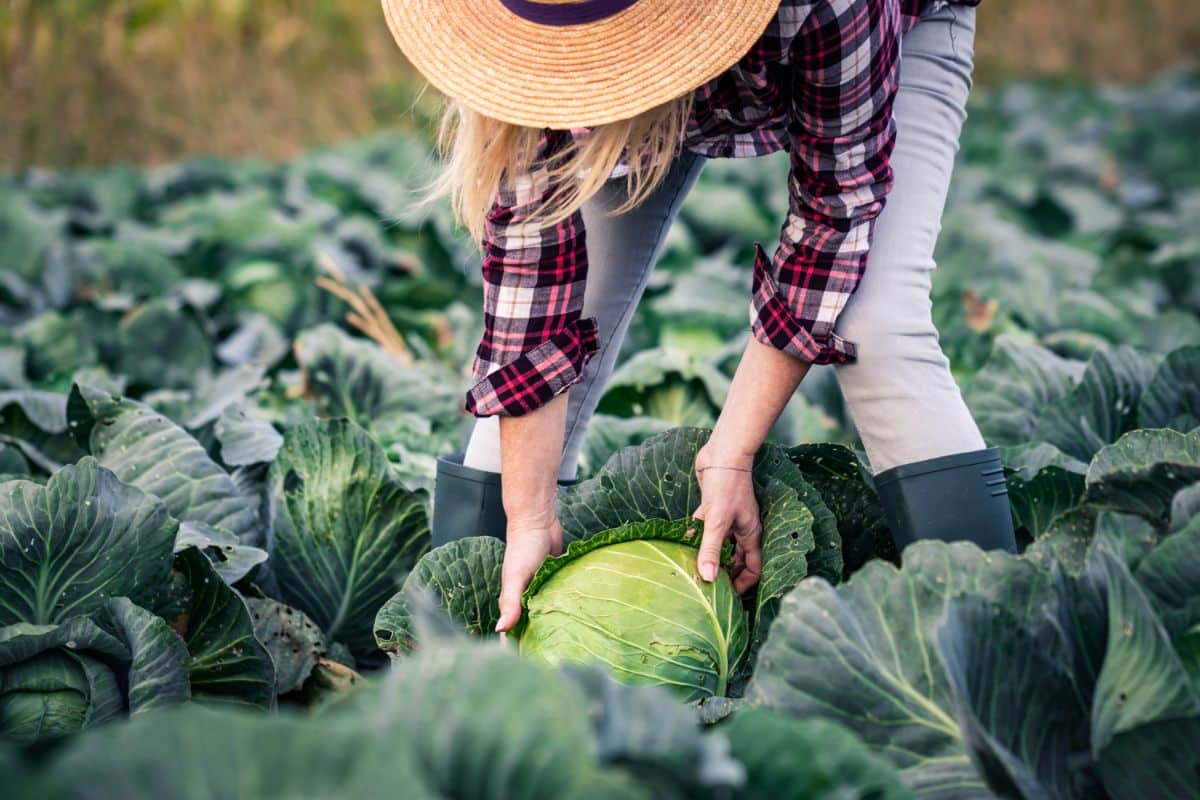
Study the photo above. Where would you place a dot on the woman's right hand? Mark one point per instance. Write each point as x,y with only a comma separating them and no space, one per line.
530,541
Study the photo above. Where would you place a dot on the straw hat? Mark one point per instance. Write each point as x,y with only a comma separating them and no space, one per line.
573,63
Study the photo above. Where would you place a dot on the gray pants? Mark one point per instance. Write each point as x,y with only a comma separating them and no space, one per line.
900,393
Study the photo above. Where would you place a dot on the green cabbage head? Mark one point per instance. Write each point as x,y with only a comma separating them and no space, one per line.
631,600
58,679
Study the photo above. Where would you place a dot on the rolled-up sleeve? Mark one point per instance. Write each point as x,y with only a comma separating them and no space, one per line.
535,342
845,61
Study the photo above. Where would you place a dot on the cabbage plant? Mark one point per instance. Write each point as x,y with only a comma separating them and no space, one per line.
633,600
58,679
635,511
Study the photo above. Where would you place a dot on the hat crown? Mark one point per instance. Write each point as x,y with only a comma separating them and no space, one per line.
566,12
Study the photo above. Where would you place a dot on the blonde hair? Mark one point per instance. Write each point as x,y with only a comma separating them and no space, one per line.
479,153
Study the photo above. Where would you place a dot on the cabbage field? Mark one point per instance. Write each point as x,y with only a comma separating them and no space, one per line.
223,387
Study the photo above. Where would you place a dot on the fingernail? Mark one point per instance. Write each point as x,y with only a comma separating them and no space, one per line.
708,571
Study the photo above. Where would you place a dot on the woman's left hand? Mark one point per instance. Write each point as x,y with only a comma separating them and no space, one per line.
729,509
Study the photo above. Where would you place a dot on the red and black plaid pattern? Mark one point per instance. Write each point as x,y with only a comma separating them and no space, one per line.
845,60
534,343
819,83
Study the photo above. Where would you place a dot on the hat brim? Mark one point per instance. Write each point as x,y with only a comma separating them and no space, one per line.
503,66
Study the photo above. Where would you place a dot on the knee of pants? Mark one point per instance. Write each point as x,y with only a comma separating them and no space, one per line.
891,337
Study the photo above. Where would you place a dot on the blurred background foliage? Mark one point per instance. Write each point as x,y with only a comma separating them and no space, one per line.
148,81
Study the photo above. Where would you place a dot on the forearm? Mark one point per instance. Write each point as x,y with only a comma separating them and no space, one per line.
763,384
530,452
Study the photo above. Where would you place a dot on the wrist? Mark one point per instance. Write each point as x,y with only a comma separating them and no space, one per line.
531,519
720,451
730,460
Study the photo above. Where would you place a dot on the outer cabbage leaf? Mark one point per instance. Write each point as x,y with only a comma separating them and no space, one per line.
1020,718
1038,502
35,423
464,578
1027,460
609,741
57,679
82,538
434,727
1141,473
158,668
1144,700
149,451
784,544
654,739
1065,541
810,758
293,641
1185,507
666,383
1172,399
344,529
244,439
211,395
163,346
227,663
55,346
231,560
488,743
359,380
631,599
257,340
1101,407
879,628
196,752
48,689
1026,393
1154,760
17,779
1018,381
836,473
1170,576
607,434
773,469
654,480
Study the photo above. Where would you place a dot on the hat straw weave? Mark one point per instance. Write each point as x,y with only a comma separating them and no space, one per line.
526,63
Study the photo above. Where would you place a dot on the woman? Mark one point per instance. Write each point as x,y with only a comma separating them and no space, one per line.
551,98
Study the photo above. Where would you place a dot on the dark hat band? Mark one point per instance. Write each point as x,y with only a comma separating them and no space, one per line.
566,13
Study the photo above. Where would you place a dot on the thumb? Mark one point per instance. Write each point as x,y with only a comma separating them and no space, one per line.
710,548
510,604
510,611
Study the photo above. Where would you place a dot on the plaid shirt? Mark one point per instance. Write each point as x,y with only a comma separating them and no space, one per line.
840,59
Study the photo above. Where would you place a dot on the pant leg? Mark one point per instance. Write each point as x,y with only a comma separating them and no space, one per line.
900,393
622,251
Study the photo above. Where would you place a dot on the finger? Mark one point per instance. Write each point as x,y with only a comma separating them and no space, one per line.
739,562
510,608
747,525
749,576
513,581
751,549
715,531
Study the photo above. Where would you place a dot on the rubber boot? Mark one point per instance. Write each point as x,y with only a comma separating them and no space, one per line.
467,502
952,498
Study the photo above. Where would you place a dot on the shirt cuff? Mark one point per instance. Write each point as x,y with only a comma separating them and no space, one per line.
529,381
773,323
